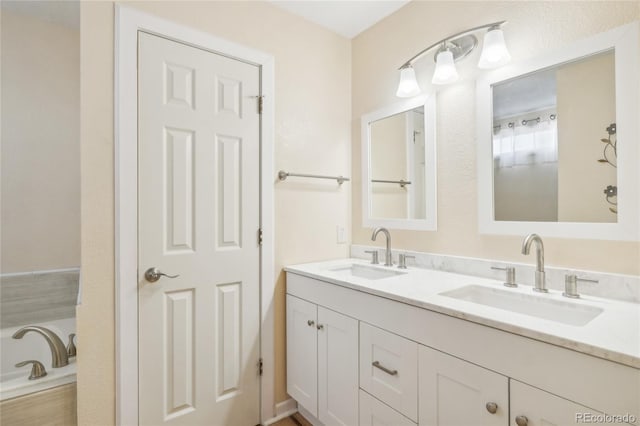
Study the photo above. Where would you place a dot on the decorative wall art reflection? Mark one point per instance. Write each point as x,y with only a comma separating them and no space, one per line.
610,156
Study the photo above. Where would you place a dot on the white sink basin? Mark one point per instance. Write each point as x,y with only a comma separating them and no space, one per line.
364,271
570,313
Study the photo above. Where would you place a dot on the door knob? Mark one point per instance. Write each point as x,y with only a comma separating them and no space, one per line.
154,274
492,407
522,421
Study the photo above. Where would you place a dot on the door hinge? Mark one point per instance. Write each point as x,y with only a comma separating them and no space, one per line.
260,366
260,104
260,236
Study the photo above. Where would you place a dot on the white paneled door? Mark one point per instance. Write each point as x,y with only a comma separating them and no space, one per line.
198,219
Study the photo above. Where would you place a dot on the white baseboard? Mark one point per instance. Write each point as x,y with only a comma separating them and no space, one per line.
283,409
310,418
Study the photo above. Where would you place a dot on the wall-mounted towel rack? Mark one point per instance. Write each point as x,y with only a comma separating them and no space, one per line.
400,182
282,175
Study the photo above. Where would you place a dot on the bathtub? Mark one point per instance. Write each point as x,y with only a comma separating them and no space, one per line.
14,381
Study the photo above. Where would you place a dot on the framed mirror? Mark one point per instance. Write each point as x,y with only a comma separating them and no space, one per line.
399,165
558,142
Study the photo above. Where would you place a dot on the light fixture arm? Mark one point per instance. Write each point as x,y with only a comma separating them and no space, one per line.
448,39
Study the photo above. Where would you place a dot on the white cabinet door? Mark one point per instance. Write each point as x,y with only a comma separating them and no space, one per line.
376,413
533,407
455,392
302,353
337,368
389,369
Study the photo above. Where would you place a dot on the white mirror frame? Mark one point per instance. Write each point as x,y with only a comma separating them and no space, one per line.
431,220
626,42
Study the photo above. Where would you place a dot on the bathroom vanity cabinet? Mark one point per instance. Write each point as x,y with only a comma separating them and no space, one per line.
414,366
322,361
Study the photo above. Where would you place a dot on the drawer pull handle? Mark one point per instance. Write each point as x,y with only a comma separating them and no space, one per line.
492,407
522,421
377,364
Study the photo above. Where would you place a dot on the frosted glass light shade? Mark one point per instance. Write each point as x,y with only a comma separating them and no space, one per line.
408,85
494,50
445,71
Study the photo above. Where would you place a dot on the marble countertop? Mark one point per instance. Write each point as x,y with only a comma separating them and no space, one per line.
613,335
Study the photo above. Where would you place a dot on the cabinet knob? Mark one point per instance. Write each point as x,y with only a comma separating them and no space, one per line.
320,327
311,323
522,421
492,407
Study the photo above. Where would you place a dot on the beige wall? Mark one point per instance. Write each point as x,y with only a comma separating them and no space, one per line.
40,145
583,116
533,28
312,118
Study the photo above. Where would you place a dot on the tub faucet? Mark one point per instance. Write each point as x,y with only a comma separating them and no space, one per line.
388,261
540,284
58,350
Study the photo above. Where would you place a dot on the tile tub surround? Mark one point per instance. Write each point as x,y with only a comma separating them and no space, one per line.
609,286
39,296
613,335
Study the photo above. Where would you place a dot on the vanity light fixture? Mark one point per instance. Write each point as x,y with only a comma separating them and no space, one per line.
445,71
408,86
452,49
494,50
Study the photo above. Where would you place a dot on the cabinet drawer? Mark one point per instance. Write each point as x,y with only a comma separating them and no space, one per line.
376,413
389,369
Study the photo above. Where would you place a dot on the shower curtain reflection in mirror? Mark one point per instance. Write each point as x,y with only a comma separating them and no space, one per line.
525,153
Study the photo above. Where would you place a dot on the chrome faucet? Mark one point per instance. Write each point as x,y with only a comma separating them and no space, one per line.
540,284
387,256
58,350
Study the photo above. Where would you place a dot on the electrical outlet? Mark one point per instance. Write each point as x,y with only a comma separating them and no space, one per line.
341,235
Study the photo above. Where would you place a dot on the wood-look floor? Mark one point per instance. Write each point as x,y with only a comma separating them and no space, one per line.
294,420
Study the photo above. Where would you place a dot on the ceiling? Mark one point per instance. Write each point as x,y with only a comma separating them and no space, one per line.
347,17
531,92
